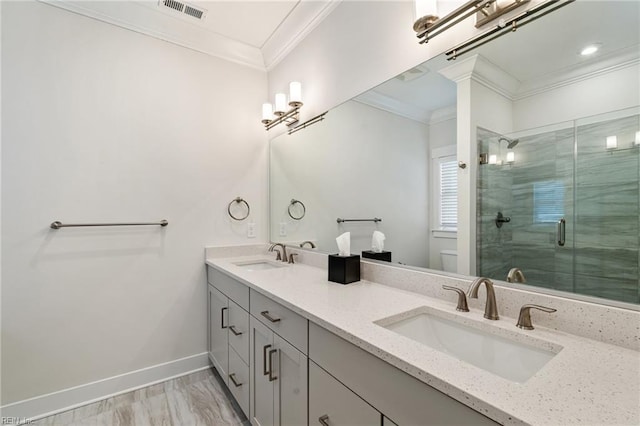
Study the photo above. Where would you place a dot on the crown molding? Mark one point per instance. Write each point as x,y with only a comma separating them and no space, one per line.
443,114
303,19
392,105
485,72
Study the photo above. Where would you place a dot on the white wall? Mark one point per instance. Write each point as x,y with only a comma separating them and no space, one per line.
360,162
102,124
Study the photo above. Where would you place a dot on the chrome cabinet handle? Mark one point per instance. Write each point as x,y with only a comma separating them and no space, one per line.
561,232
222,317
271,376
233,330
269,317
324,420
233,379
264,360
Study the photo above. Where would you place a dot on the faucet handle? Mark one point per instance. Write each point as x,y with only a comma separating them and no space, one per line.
291,260
524,319
462,298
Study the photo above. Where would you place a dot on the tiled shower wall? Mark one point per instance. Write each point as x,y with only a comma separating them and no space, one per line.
597,193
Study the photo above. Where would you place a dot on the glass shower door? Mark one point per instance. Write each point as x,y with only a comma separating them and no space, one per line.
607,226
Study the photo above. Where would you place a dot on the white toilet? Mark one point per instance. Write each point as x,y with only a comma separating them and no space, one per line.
449,259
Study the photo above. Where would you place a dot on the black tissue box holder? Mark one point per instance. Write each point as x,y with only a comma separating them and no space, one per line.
383,255
344,269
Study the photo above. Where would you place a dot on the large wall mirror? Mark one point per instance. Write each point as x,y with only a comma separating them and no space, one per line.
555,181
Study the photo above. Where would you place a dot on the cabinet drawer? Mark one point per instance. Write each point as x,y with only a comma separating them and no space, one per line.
233,289
283,321
331,403
239,330
407,402
239,380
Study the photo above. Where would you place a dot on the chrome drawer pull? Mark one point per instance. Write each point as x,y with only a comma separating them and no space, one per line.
269,317
324,420
271,377
222,317
232,378
233,330
264,360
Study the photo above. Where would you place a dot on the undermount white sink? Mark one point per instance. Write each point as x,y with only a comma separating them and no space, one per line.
499,355
258,265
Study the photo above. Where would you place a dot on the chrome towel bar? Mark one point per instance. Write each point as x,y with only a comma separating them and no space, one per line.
57,224
375,219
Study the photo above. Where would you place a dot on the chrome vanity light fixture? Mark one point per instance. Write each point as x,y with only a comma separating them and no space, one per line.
284,112
486,11
427,24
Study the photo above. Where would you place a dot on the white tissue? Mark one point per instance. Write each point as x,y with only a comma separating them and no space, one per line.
344,244
377,242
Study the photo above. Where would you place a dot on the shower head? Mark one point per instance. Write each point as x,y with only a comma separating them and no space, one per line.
511,143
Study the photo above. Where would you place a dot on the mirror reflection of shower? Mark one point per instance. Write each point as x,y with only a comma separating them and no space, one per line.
498,158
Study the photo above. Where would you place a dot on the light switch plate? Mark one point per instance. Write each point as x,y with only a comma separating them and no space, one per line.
251,230
283,229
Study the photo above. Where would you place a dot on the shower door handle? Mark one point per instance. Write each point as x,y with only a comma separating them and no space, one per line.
561,232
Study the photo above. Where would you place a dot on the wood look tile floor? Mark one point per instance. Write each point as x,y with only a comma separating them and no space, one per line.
197,399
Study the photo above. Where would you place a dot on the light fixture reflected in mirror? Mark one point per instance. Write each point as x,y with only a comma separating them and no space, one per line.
637,140
590,49
511,156
612,142
283,112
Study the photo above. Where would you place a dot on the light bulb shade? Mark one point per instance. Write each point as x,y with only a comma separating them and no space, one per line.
493,159
281,104
511,156
637,141
612,142
267,112
295,94
426,8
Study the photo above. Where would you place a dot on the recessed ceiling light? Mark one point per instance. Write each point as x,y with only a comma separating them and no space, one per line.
590,50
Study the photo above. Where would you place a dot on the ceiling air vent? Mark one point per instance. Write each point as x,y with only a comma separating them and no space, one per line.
413,73
184,8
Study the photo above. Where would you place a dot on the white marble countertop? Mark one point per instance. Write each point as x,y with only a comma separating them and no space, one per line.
587,382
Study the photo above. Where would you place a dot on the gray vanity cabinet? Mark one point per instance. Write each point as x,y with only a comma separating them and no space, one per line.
228,333
402,398
218,340
278,374
331,403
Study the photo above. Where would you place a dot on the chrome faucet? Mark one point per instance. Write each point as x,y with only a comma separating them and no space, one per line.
491,308
308,242
280,256
516,275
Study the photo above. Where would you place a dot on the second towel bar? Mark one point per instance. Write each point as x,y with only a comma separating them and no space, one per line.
375,219
57,224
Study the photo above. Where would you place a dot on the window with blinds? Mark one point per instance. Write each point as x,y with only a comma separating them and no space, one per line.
448,193
548,201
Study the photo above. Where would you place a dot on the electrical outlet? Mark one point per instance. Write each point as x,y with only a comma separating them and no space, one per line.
283,229
251,230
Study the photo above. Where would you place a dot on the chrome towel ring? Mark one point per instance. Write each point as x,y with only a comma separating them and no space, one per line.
293,203
238,200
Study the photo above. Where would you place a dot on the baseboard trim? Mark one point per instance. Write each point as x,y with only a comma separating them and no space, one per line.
77,396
